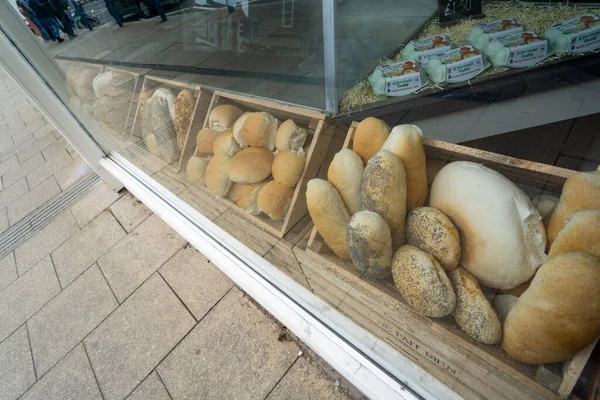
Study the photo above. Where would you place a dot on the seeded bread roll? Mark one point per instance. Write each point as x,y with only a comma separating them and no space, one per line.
383,190
370,243
430,230
369,136
329,215
406,142
184,107
251,165
217,180
290,136
245,195
237,130
344,174
196,169
205,140
473,313
559,314
225,144
288,167
422,282
274,199
259,130
223,117
502,305
580,234
580,192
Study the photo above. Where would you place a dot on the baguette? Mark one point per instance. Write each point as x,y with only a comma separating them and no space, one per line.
369,136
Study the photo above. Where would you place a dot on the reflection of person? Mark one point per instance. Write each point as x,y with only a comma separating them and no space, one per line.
31,18
82,15
160,10
58,9
41,9
112,11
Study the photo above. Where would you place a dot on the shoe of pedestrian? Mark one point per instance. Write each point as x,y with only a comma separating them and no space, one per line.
60,40
73,36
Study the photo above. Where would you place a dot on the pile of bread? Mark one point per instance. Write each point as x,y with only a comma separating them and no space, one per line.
249,158
478,228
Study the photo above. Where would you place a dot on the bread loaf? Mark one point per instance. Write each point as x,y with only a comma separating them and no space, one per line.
205,140
502,305
344,174
223,117
158,130
545,204
559,314
225,144
370,243
217,179
406,142
274,199
290,136
383,190
169,98
196,169
501,233
184,108
580,234
142,98
473,313
369,136
251,165
237,130
329,215
245,195
431,231
259,130
580,192
422,282
288,167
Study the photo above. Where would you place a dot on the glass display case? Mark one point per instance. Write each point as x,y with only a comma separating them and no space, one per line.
283,134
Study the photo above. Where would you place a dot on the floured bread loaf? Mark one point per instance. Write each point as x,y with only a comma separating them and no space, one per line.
288,167
196,169
169,97
259,130
370,243
290,136
245,195
158,130
369,136
344,174
251,165
274,199
580,234
223,117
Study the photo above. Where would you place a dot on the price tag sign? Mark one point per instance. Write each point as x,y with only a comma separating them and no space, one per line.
452,11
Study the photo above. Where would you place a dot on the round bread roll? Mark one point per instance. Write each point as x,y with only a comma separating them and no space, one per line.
406,142
290,136
474,313
196,169
223,117
259,130
545,204
288,167
502,305
383,190
369,136
217,180
559,314
237,130
225,144
581,234
274,199
370,243
580,192
344,174
251,165
184,107
422,282
502,235
205,140
329,215
430,230
245,195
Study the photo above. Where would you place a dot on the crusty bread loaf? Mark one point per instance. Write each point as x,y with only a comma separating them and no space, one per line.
274,199
237,130
205,140
430,230
259,130
560,312
329,215
501,233
225,144
217,180
223,117
406,142
502,305
580,192
184,108
344,174
196,169
251,165
383,190
422,282
580,234
290,136
288,167
245,195
370,243
169,97
474,313
369,136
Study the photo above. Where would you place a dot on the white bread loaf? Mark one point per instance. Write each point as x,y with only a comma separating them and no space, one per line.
259,130
580,234
225,144
196,169
502,235
169,97
422,282
251,165
502,305
237,130
474,313
274,199
288,167
344,174
559,314
370,243
184,108
369,136
223,117
205,140
245,195
406,142
329,215
217,179
383,190
290,136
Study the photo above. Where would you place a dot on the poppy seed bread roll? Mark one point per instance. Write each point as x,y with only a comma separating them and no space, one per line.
259,130
217,179
223,117
251,165
205,140
274,199
580,234
370,243
290,136
369,136
344,174
288,167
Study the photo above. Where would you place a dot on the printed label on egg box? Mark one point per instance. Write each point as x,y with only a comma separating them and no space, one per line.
430,47
501,27
526,48
584,31
462,64
401,78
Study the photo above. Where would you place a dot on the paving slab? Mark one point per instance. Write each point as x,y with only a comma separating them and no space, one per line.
33,199
10,194
72,172
36,147
8,164
16,368
20,144
79,252
8,271
129,344
150,389
130,212
47,169
93,203
4,225
233,353
59,146
44,131
20,171
68,318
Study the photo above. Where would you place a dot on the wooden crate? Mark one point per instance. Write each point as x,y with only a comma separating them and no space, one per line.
473,369
319,137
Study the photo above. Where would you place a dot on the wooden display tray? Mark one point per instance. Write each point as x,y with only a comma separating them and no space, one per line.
320,133
472,369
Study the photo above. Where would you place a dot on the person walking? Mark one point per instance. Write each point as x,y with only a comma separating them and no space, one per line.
32,19
82,15
42,11
112,11
160,10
